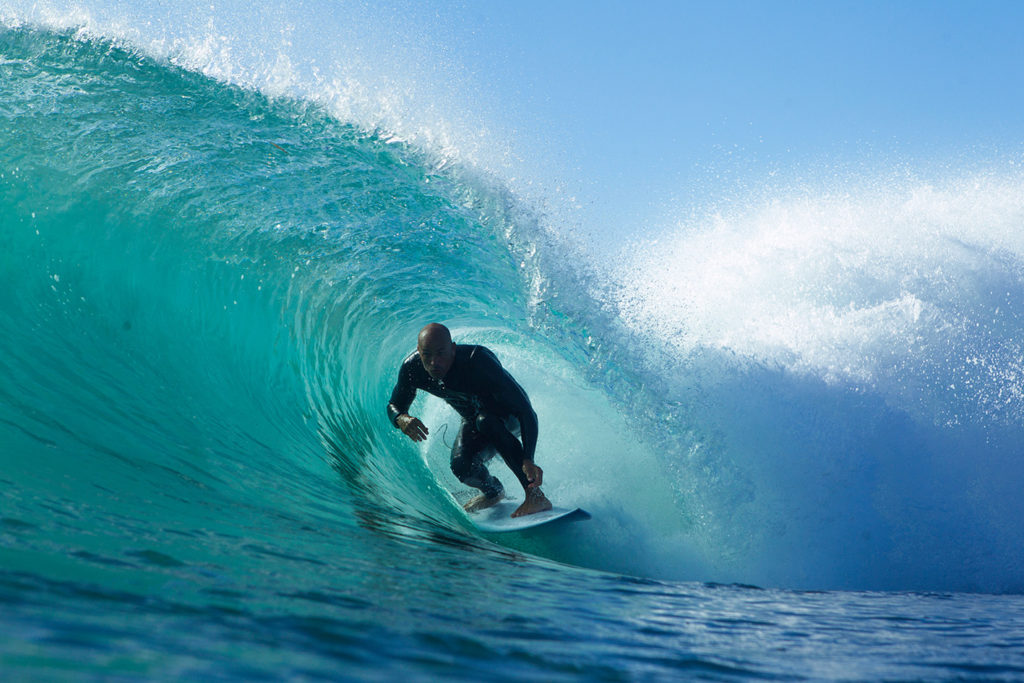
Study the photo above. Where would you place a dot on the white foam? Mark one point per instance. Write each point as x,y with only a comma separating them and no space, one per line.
873,287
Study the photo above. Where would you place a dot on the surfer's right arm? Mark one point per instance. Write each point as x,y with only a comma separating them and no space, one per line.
401,398
411,427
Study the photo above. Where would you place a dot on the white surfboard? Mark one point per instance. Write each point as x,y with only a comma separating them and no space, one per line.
499,518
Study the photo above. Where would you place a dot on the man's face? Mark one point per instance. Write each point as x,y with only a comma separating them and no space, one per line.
437,356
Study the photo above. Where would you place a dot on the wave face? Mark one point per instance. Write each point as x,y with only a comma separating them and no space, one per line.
207,292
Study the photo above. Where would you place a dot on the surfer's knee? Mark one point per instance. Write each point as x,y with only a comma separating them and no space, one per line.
461,466
471,472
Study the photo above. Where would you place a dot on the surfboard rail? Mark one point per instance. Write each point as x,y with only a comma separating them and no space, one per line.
499,519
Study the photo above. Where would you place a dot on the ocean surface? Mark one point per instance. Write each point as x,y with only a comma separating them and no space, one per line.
797,424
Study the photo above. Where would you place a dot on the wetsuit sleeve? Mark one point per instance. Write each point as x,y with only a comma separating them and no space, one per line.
507,393
401,396
528,429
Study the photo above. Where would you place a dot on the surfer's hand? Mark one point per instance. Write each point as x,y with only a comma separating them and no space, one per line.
412,427
534,474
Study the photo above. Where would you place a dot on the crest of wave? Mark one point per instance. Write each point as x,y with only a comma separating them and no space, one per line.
384,68
914,291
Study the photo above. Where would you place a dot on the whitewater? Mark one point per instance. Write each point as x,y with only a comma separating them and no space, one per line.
796,419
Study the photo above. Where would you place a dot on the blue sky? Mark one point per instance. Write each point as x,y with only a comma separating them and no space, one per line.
654,106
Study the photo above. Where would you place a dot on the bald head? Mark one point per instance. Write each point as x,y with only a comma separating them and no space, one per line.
436,349
434,332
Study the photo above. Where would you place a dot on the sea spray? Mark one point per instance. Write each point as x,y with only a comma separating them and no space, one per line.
848,364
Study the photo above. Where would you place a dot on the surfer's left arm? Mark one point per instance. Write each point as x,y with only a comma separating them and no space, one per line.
528,430
508,393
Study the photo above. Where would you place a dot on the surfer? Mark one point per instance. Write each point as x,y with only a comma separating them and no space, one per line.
493,408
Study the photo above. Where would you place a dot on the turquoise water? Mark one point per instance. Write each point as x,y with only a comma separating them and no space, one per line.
206,293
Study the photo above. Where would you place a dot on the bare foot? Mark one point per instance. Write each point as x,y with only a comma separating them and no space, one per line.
535,502
482,502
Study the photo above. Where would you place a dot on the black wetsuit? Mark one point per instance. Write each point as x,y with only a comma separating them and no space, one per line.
492,405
